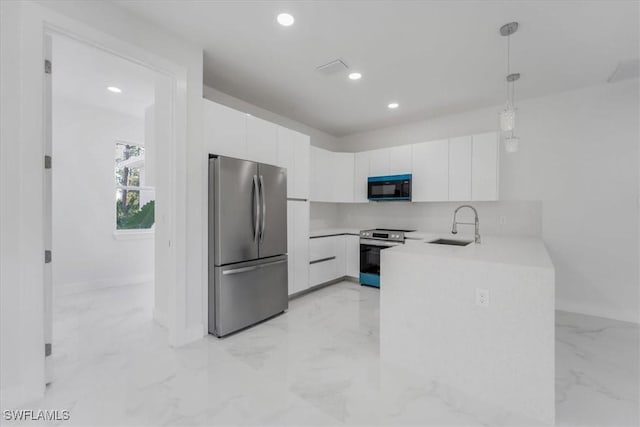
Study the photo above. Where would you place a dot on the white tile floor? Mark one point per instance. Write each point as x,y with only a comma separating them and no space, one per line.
317,364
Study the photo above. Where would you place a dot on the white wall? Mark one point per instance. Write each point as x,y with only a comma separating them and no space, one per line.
86,253
519,218
318,138
579,157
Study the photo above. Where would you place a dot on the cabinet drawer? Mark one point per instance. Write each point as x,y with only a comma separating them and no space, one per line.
322,271
322,247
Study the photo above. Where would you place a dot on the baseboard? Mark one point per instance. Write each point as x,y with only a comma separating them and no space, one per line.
191,334
17,396
590,310
323,285
159,317
78,287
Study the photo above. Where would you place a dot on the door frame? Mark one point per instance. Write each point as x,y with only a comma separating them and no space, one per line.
36,22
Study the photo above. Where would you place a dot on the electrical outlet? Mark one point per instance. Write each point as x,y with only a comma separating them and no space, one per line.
482,297
502,220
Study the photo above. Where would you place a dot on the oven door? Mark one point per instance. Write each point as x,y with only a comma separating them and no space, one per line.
370,260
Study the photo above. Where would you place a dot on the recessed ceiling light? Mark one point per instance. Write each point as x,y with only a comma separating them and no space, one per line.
114,89
355,76
393,105
285,19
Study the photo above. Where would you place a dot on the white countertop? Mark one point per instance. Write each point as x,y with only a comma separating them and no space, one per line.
526,251
321,232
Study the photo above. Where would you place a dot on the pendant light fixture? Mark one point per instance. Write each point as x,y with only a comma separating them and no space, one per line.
508,114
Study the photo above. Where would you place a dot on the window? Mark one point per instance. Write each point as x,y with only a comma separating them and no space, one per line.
135,202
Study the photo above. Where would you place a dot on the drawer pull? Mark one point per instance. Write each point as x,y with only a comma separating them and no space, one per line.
316,261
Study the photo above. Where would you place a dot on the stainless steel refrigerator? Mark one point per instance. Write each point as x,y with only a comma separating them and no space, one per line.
247,243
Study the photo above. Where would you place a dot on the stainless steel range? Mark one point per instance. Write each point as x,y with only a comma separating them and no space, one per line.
371,243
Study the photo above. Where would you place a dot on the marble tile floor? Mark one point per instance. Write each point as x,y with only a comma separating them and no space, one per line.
318,365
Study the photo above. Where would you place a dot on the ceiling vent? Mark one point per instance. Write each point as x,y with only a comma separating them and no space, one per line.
332,67
628,69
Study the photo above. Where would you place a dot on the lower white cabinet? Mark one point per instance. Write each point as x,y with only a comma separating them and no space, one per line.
298,245
325,258
333,257
352,249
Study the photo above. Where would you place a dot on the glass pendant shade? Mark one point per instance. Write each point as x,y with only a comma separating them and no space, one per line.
508,118
511,144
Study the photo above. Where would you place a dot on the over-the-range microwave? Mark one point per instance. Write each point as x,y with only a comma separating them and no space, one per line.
389,187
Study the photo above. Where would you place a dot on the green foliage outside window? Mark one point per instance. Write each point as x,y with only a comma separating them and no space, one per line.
128,173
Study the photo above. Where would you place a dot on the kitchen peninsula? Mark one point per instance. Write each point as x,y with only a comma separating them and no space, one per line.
478,318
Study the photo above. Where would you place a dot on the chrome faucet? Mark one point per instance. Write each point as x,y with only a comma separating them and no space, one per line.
454,229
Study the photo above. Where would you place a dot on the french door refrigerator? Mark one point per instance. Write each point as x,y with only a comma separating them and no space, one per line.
247,243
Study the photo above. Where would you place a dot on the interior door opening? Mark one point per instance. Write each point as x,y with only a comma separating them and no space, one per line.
103,114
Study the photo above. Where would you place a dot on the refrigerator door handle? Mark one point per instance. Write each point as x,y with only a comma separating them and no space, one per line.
252,268
256,208
264,207
240,270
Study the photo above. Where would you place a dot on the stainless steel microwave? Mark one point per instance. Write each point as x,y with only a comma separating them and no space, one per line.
389,187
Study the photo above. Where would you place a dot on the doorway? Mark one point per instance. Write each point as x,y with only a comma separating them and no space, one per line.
105,119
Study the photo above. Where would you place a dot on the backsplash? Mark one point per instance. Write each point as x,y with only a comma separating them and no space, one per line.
515,218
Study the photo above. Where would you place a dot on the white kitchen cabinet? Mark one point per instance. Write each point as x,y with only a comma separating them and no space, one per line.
484,166
399,160
339,243
342,177
379,162
460,168
390,161
430,169
352,249
302,157
262,140
321,175
298,245
331,176
293,154
225,130
360,175
329,258
323,260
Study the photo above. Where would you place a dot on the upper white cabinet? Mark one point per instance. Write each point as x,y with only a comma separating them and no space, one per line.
390,161
232,133
399,159
294,154
262,140
484,166
430,168
332,176
460,168
379,162
321,175
360,175
225,130
342,176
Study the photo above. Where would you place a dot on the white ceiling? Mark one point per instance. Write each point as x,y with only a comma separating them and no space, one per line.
81,73
433,57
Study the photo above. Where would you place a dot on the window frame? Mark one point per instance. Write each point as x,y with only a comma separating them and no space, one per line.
131,233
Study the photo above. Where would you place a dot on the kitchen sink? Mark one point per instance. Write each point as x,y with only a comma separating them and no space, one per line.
451,242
